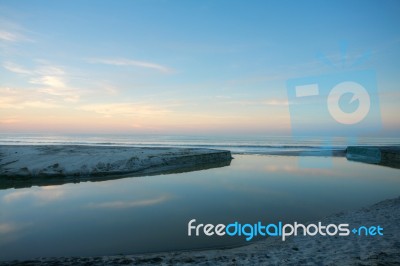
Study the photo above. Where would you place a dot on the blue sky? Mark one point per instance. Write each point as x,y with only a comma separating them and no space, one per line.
183,67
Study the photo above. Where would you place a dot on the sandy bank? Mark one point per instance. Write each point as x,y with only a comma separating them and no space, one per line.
380,155
80,163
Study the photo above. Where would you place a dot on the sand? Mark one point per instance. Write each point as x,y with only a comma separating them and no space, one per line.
24,166
381,155
300,250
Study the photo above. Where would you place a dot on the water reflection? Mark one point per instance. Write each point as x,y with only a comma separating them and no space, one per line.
148,214
39,196
128,204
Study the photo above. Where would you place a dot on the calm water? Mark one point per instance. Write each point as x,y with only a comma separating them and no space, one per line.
147,214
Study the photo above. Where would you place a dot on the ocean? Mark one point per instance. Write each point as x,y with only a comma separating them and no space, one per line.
236,144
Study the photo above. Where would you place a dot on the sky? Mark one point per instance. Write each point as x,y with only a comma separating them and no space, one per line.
185,67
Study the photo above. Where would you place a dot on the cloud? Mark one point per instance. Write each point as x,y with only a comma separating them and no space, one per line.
11,32
50,81
9,120
277,102
128,204
68,95
20,99
9,36
128,62
44,75
270,102
39,104
53,80
125,109
110,90
16,69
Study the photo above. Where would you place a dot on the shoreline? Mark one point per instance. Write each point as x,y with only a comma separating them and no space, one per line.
351,250
26,166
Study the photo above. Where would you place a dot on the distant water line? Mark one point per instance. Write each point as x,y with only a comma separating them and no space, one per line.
236,144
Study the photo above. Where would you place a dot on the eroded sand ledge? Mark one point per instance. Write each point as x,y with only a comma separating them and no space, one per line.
85,162
380,155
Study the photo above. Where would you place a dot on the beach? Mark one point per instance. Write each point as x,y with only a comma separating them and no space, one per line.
28,174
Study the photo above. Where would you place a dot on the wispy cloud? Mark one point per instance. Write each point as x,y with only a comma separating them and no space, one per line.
12,67
10,36
126,109
129,62
39,104
50,81
9,120
277,102
53,80
269,102
12,32
20,99
42,69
